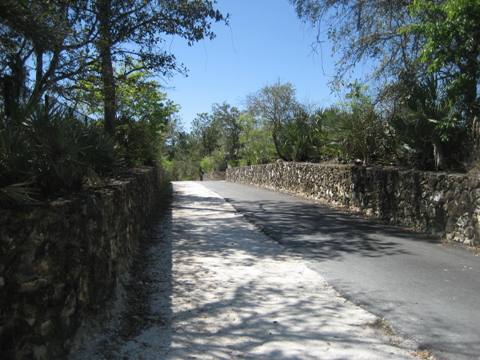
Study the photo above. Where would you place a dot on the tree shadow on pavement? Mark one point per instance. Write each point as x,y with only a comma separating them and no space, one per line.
320,232
316,232
299,322
233,299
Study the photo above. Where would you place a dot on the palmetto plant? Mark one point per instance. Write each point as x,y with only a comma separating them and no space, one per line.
428,126
50,152
15,179
360,132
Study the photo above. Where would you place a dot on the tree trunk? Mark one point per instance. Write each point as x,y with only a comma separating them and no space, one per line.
470,71
38,88
277,146
105,50
8,97
476,137
13,87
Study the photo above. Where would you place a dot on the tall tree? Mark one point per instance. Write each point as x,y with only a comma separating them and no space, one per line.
277,105
365,29
104,46
67,39
208,132
130,35
55,36
451,30
256,144
428,55
228,118
139,96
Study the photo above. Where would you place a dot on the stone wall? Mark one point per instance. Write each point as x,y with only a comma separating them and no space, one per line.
440,203
61,262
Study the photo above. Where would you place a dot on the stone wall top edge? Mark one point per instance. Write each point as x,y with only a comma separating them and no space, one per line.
76,199
368,168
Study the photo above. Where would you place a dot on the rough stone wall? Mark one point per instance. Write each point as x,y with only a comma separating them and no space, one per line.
62,261
440,203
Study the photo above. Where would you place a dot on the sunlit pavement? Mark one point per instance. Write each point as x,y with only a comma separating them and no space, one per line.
226,291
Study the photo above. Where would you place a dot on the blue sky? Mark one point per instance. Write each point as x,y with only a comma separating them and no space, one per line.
264,42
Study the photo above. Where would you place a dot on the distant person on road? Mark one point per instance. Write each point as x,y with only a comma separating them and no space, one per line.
201,174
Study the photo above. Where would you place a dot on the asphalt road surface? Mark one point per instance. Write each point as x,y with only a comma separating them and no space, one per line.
428,292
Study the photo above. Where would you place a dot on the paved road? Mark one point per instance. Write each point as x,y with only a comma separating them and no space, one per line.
428,292
209,285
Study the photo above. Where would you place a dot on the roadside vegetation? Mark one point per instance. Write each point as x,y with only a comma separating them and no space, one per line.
78,98
419,108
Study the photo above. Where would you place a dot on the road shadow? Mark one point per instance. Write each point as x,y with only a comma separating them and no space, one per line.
300,321
324,233
319,233
245,315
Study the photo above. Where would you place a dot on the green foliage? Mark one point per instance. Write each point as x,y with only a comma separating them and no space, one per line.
227,118
212,145
256,143
303,138
214,162
51,152
144,115
361,132
451,29
207,131
138,97
207,164
426,127
276,105
44,46
136,143
65,150
451,33
56,45
330,119
406,42
302,134
183,155
97,54
270,129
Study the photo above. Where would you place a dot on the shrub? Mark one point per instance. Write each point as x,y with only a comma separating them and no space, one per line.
50,153
361,133
139,142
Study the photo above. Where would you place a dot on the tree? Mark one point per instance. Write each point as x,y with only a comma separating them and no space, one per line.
66,40
427,55
228,119
451,33
306,135
256,143
130,32
184,160
427,126
139,97
365,30
144,110
55,36
277,105
208,133
361,132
